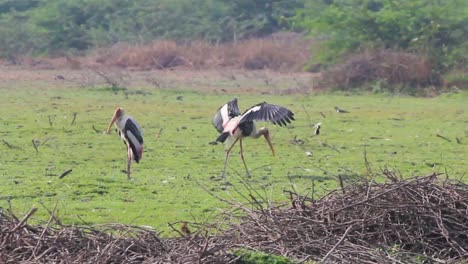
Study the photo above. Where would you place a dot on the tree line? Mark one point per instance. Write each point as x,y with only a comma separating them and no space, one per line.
435,28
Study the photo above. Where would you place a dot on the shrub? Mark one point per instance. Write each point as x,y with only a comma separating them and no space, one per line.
398,69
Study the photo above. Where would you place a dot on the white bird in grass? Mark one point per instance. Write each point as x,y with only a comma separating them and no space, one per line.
235,126
317,128
131,133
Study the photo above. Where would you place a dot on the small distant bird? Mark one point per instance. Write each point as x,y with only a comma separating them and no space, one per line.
235,126
341,111
131,133
317,128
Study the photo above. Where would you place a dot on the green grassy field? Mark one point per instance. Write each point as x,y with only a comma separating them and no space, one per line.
394,131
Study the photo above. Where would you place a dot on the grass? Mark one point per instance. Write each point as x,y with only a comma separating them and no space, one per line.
397,132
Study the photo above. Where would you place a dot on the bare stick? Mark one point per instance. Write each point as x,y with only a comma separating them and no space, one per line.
28,215
74,118
158,135
449,140
171,225
96,130
106,78
45,140
35,146
51,122
50,220
8,144
337,243
341,183
65,173
367,163
307,114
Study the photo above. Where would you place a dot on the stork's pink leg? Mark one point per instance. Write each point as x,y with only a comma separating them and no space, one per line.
226,158
129,159
243,160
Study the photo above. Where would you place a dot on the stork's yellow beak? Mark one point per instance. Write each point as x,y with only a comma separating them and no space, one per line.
114,117
267,137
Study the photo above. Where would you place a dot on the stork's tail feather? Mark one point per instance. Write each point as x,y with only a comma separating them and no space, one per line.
223,137
140,154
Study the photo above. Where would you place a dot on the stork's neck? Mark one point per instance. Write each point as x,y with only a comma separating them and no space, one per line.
261,132
120,121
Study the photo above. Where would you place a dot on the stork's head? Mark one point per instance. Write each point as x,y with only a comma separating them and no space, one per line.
118,113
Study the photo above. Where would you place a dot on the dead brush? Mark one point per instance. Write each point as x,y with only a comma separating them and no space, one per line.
418,220
286,53
401,221
157,55
393,67
257,54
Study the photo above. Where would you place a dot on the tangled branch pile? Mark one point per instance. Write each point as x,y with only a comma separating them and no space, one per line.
402,221
110,243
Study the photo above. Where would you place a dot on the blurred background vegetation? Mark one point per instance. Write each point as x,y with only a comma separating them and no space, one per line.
436,30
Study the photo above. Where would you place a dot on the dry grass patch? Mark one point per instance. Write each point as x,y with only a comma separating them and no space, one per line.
282,51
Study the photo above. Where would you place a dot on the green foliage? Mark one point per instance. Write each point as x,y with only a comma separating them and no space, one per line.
63,25
17,5
254,257
435,28
248,18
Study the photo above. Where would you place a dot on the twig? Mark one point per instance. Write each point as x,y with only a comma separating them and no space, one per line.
51,122
106,78
367,163
96,130
8,144
158,135
340,178
26,217
307,114
45,140
35,146
449,140
52,217
337,243
65,173
74,118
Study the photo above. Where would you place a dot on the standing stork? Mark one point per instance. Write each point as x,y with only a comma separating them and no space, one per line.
235,126
131,133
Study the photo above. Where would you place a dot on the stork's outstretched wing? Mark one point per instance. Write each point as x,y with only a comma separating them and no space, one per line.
225,112
267,112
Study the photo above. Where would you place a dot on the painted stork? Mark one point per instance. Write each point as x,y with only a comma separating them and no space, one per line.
235,126
131,133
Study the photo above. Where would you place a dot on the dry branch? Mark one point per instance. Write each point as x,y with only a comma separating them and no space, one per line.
65,173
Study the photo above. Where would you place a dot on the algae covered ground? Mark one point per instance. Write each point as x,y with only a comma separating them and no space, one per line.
46,131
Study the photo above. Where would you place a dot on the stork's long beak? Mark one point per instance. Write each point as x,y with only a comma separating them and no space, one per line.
267,137
114,117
